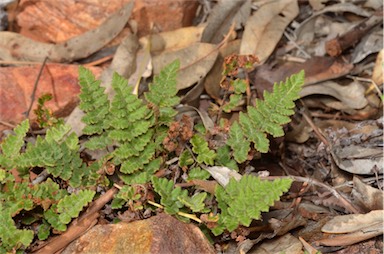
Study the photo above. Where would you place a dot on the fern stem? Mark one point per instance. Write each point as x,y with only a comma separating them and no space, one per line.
186,215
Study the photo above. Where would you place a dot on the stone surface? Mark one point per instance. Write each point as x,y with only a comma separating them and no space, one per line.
59,20
17,84
156,235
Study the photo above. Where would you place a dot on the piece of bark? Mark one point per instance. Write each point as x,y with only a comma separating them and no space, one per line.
337,45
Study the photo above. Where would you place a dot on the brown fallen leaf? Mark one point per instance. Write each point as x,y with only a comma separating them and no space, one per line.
371,198
222,17
351,95
15,47
195,62
172,40
265,27
359,227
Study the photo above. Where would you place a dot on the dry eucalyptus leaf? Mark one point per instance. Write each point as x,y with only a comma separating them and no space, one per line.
221,19
351,95
172,40
195,62
358,159
316,24
123,62
377,74
287,244
265,27
371,198
371,43
15,47
223,174
353,222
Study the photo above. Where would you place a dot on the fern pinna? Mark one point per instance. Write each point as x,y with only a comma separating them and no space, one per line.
266,117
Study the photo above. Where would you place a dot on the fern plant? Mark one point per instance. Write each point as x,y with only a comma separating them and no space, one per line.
266,117
242,201
132,131
58,154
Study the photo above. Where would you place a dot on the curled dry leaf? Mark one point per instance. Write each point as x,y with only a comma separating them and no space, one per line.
351,95
15,47
264,29
353,222
371,198
222,17
195,62
371,43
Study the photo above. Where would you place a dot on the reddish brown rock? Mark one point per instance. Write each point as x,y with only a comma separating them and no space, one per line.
60,20
159,234
17,84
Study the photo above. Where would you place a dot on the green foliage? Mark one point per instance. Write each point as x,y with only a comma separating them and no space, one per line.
11,237
70,206
238,143
127,194
239,87
11,146
267,116
174,198
94,102
185,159
198,173
200,147
162,94
170,196
131,131
43,114
224,159
242,201
196,202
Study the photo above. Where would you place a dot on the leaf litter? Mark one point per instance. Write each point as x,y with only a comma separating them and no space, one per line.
333,148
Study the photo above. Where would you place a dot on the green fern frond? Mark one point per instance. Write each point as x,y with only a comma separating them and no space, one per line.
196,202
162,93
244,200
267,116
52,217
94,102
198,173
11,237
170,196
70,206
238,143
200,147
11,145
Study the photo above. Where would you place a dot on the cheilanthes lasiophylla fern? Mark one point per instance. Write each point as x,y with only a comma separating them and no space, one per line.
130,130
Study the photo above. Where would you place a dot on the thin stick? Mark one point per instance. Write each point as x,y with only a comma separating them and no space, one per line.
35,88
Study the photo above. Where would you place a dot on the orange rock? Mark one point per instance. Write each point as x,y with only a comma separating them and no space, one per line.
17,84
59,20
156,235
